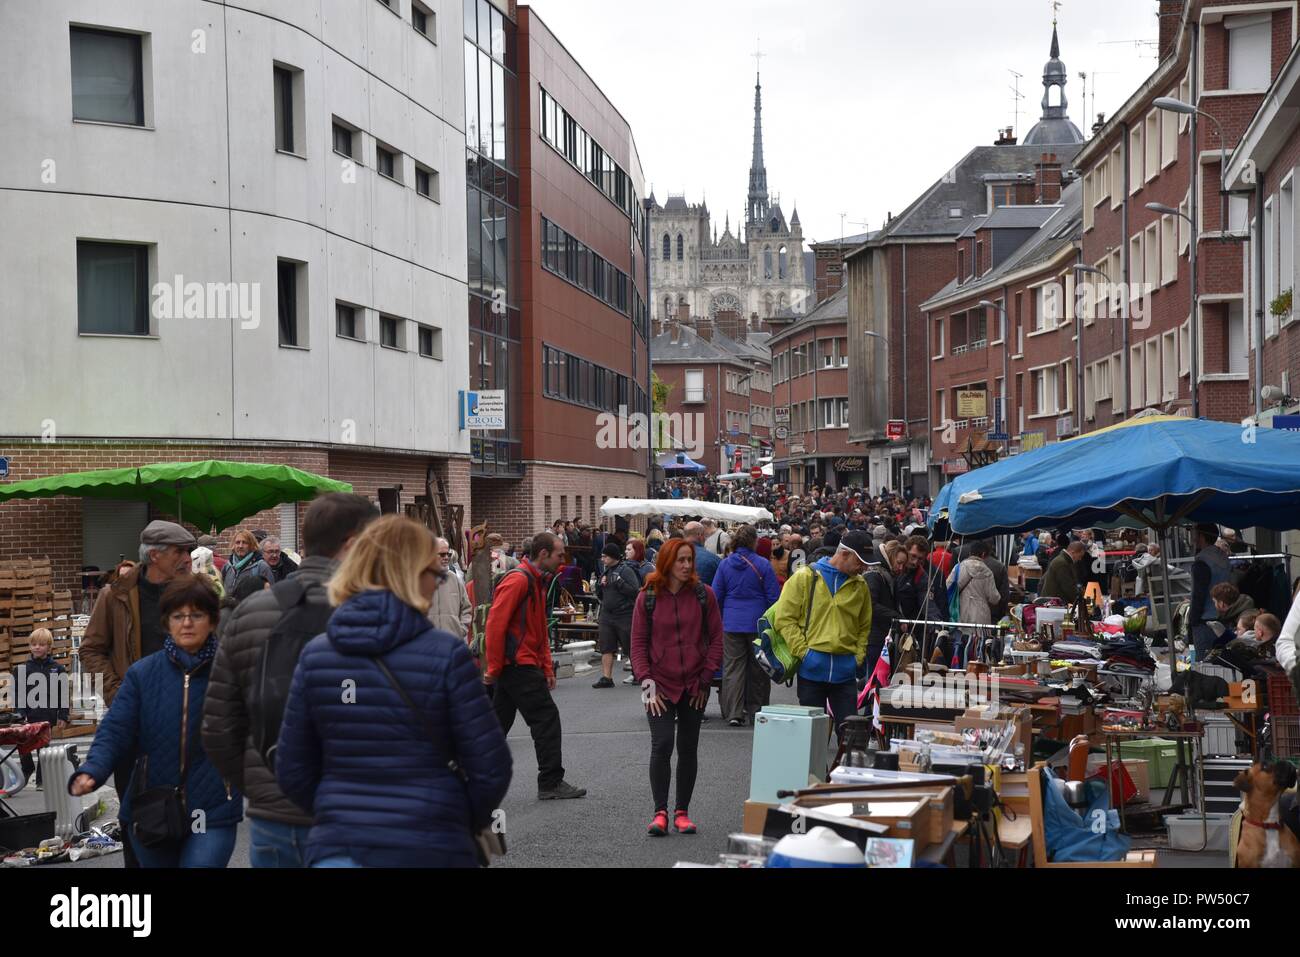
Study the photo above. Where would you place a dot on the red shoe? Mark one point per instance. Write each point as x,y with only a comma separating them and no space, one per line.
659,826
683,824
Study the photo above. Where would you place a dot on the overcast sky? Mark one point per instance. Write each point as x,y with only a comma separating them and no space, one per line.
865,102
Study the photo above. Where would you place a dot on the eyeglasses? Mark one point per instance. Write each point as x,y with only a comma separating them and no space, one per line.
444,554
178,617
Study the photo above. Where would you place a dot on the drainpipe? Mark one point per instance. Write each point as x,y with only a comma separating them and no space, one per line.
1194,337
1124,258
1005,317
1078,351
906,411
1258,241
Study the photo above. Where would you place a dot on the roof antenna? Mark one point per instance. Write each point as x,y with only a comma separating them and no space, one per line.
1017,97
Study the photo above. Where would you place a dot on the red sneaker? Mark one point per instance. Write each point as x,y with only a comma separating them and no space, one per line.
659,826
683,824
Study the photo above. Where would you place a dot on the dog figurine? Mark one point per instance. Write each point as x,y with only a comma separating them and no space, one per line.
1266,839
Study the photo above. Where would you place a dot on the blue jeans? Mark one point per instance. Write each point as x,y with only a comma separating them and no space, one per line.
209,849
339,860
272,844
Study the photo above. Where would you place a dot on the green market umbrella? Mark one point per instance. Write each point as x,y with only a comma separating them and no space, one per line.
209,494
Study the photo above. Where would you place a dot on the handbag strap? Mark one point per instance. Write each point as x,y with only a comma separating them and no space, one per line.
751,567
452,765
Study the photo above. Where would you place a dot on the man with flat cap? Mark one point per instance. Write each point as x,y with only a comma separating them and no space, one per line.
126,624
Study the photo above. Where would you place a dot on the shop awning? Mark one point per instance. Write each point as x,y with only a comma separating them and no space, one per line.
1157,470
210,495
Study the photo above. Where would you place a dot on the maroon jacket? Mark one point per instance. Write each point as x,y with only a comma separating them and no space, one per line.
681,657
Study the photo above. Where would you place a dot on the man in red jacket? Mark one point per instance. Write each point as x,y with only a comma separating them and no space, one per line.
519,668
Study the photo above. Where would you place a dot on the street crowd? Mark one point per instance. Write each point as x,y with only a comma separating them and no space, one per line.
351,699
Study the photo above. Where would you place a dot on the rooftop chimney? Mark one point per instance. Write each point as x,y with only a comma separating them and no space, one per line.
1049,179
1006,137
704,328
675,331
1101,121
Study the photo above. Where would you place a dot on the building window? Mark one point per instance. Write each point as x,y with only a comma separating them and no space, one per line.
1168,249
387,163
344,140
1250,40
1270,266
112,289
291,293
390,332
430,342
1169,365
424,20
284,112
1286,235
1135,160
1152,143
107,76
694,385
681,248
426,183
346,322
1236,338
668,247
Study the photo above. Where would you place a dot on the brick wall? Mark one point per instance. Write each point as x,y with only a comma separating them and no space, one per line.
517,508
52,527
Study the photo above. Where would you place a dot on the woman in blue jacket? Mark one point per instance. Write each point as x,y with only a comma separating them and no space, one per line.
375,771
745,586
159,706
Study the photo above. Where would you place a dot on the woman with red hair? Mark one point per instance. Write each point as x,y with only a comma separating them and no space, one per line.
676,649
635,553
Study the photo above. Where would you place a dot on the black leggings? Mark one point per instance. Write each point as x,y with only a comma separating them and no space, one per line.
681,721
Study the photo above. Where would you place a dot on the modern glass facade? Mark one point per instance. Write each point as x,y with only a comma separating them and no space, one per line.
492,222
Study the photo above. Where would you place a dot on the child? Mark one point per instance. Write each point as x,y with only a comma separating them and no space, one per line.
43,687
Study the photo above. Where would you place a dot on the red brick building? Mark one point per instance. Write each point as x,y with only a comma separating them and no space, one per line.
1019,349
810,379
719,403
829,266
582,278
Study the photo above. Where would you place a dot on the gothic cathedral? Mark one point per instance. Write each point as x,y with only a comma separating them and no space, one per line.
748,278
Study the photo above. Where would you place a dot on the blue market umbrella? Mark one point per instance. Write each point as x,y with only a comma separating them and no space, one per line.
1156,471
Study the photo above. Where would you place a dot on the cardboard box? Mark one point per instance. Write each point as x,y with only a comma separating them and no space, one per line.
941,799
1023,718
755,816
907,816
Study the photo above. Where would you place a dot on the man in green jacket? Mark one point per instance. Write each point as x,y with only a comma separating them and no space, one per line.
1062,578
832,598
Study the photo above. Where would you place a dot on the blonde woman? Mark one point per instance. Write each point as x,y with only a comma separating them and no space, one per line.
245,562
389,740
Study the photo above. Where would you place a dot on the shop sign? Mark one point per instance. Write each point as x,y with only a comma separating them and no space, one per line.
896,429
483,410
848,465
955,466
781,415
1287,423
4,466
1032,440
797,448
972,403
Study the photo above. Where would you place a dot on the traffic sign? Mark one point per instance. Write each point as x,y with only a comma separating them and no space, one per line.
755,473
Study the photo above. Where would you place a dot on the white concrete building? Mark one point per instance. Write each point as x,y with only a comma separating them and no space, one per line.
311,154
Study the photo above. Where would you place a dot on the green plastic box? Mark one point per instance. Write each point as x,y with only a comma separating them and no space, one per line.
1161,757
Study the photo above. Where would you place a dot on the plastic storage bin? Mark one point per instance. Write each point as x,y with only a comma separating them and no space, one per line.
1160,754
1220,735
1185,832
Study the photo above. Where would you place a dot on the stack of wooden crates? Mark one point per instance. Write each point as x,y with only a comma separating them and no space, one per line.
28,601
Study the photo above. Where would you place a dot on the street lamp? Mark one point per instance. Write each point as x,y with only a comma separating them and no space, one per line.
1194,339
1173,105
1082,270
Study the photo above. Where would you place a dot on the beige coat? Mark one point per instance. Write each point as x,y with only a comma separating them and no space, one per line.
979,592
451,610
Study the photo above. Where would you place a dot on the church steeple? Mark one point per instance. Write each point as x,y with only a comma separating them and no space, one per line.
759,202
1054,127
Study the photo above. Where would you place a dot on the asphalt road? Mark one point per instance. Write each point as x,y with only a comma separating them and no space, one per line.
606,751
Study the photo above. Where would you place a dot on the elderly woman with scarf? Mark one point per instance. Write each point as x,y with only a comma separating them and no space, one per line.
156,715
245,561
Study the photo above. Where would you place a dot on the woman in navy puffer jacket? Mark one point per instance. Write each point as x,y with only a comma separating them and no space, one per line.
355,755
159,706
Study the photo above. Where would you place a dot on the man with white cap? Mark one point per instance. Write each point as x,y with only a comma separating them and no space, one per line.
824,612
126,623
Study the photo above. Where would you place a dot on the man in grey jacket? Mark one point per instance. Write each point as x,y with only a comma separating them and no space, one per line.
279,827
450,609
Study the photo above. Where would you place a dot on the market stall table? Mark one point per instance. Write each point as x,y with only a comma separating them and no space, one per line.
1182,770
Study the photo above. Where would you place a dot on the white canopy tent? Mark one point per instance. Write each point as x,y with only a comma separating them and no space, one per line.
684,507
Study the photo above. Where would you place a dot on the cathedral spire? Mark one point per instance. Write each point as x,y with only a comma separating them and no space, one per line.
759,202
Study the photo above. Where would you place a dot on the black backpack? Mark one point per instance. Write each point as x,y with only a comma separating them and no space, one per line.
300,621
